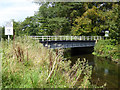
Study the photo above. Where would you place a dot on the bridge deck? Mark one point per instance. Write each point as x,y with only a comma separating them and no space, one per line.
67,41
68,44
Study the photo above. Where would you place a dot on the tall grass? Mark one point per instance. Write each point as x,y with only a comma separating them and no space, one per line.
27,64
0,69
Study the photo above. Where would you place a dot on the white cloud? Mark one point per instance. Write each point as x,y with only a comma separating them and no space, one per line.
16,9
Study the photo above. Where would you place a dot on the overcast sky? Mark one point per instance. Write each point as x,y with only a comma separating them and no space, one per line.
16,9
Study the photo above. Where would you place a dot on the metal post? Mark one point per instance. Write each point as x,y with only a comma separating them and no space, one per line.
42,38
47,38
91,37
8,38
94,37
55,38
80,37
71,38
87,37
83,37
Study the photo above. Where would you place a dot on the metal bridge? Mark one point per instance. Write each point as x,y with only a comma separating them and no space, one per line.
68,41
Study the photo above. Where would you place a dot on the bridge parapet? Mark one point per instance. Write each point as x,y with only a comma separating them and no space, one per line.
65,38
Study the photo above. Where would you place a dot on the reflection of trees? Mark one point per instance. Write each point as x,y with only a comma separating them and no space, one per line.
105,63
106,70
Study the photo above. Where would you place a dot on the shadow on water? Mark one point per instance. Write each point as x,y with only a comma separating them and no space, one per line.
104,70
74,53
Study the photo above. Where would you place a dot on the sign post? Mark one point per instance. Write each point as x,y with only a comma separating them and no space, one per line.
9,29
106,34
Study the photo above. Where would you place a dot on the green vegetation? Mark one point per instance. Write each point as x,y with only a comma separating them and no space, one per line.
27,64
108,48
71,18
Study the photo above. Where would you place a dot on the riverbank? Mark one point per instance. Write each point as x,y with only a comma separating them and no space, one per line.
27,64
108,49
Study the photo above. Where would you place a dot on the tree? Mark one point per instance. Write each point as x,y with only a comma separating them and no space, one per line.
30,26
16,28
102,16
2,33
72,18
57,18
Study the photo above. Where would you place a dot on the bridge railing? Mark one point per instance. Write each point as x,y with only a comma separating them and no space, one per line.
61,38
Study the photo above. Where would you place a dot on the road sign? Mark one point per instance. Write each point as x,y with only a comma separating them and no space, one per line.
106,33
9,28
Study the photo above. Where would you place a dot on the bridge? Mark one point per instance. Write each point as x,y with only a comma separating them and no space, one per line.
67,41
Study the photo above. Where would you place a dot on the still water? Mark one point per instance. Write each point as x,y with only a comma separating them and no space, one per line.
104,70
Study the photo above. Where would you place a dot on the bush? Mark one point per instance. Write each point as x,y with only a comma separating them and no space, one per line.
109,49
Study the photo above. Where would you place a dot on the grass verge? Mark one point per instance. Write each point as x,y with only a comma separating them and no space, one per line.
27,64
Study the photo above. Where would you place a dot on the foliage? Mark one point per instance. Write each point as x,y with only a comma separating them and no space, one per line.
82,25
2,33
27,64
30,26
98,18
72,18
57,17
109,49
112,21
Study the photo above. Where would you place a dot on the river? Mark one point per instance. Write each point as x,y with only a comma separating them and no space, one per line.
104,70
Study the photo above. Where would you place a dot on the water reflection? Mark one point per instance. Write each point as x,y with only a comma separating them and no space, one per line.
107,71
104,70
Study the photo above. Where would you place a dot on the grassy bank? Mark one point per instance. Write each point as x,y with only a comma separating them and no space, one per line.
108,49
27,64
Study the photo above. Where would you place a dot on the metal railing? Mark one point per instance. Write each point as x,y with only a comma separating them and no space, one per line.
71,38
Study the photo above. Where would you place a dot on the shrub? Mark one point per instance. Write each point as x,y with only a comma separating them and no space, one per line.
109,49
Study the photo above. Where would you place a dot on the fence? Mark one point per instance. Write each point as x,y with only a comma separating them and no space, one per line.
71,38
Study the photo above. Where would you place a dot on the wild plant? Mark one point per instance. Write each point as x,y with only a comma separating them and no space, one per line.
27,64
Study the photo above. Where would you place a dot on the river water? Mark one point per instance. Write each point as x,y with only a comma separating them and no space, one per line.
104,70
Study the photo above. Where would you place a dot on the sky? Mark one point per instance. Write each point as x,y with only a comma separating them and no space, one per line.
16,9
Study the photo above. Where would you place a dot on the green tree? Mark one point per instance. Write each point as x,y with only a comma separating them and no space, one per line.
30,26
72,18
98,17
86,24
17,28
57,17
2,32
